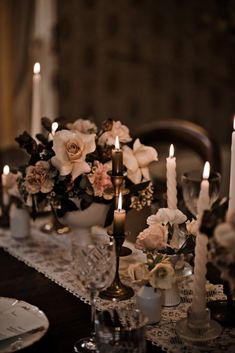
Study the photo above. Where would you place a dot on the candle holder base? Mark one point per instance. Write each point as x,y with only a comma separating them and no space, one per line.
196,330
117,292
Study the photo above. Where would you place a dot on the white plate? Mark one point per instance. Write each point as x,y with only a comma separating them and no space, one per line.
18,342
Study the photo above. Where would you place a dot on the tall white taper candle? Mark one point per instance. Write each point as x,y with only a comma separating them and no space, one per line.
231,206
5,196
36,101
171,179
199,283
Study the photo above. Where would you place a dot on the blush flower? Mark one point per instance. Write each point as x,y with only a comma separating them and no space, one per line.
137,161
71,148
83,125
152,238
117,129
162,276
38,178
100,180
167,215
138,272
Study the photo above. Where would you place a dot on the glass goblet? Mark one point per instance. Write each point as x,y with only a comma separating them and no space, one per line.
191,185
94,263
121,331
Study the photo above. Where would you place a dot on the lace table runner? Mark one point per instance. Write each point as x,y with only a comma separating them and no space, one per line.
50,255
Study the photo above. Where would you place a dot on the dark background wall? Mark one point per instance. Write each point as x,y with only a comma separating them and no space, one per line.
141,60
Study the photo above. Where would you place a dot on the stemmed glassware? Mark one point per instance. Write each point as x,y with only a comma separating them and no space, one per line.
94,263
191,183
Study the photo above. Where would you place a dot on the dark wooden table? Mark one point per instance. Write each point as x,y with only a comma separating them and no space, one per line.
69,317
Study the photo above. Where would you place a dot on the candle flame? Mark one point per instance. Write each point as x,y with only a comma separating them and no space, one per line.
36,68
117,144
6,170
119,201
54,127
206,170
171,151
234,122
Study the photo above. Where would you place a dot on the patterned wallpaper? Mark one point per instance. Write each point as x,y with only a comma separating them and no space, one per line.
143,60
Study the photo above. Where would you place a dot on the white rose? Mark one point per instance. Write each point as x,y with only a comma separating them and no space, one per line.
118,129
167,215
71,148
137,161
162,276
138,272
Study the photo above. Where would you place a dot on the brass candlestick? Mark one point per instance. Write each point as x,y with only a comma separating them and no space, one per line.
117,291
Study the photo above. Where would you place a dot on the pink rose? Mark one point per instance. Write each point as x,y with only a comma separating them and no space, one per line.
100,180
38,178
152,238
118,129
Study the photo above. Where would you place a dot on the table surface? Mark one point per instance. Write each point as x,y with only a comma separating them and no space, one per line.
69,317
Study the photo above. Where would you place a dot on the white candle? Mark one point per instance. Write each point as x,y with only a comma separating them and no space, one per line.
199,283
119,219
231,206
5,196
36,101
54,127
171,179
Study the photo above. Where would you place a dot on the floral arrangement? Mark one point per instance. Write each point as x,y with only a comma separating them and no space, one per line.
156,272
164,235
71,168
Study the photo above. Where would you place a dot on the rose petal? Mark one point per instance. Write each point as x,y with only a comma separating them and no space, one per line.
135,176
79,168
129,159
64,167
144,154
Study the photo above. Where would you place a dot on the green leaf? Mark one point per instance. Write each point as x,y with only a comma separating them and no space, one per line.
67,205
135,188
188,246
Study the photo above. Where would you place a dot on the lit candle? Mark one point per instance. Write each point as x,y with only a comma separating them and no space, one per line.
171,179
231,206
5,196
36,101
54,127
199,283
119,219
117,159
